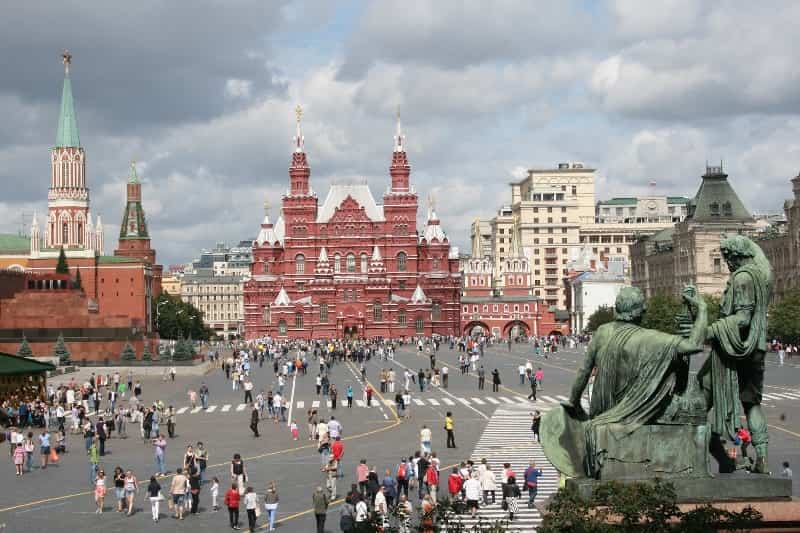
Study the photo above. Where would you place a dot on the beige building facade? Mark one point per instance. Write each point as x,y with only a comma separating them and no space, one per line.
171,285
782,246
689,253
220,300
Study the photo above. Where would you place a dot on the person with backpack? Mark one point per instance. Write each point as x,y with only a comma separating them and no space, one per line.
454,484
402,478
432,481
347,521
389,484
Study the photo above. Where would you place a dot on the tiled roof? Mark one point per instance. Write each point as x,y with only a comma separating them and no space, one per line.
117,259
67,135
619,201
358,192
11,242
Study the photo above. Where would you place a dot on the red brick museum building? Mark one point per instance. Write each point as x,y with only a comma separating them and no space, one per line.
351,267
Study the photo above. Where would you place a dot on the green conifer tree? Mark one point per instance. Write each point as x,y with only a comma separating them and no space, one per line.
25,348
128,353
62,267
146,355
61,351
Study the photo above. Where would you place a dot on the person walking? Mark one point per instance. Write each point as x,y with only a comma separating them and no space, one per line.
536,420
481,378
232,503
177,490
99,491
155,496
510,497
532,475
271,505
532,395
250,506
238,473
495,380
159,452
449,427
425,439
203,395
473,493
202,459
194,489
131,487
254,418
349,394
94,461
488,484
321,501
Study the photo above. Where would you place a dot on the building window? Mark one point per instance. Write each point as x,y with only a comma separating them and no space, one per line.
65,233
436,263
526,308
505,308
436,312
350,261
401,317
717,265
401,284
485,308
401,262
364,263
494,308
337,263
466,309
80,232
419,325
266,315
282,327
377,312
300,264
323,313
298,320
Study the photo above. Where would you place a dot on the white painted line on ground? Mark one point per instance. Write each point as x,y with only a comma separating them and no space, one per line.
464,401
388,403
503,398
315,404
562,398
196,410
360,403
291,400
301,404
448,401
492,400
328,404
225,408
211,409
478,401
241,407
182,410
433,402
417,401
550,399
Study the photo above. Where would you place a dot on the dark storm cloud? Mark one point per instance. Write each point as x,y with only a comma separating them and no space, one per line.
138,64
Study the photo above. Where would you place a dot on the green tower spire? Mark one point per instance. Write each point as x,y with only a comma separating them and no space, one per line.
67,119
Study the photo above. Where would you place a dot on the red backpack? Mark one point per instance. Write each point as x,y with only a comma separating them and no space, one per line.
401,471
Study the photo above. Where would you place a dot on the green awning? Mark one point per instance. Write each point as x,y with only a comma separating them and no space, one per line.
13,365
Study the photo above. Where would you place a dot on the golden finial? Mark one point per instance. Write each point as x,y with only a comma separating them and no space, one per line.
298,111
66,58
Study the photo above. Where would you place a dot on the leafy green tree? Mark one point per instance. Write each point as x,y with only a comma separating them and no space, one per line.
603,315
784,318
146,355
661,313
178,319
128,353
62,267
78,283
621,507
61,351
25,348
183,350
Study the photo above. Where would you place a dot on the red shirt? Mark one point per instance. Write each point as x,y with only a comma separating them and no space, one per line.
454,483
232,499
337,449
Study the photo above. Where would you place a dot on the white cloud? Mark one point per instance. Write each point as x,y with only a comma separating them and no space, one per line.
238,89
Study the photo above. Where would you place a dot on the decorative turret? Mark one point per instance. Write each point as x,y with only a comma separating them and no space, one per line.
299,171
376,265
419,296
134,239
282,299
267,234
400,169
99,238
35,238
433,229
323,266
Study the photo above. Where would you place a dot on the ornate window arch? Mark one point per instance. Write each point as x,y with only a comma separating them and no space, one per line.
299,264
323,313
377,311
364,263
401,317
282,327
337,263
350,262
298,320
401,261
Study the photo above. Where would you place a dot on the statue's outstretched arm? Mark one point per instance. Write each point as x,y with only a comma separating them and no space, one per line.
582,379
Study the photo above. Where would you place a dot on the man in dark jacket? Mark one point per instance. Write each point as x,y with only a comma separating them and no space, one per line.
321,501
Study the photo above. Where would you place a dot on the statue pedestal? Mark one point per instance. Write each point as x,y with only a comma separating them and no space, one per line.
738,487
657,450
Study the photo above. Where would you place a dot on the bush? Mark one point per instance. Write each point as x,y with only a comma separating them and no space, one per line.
603,315
146,355
638,506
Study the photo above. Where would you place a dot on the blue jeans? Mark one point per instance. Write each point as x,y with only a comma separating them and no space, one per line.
28,461
531,495
271,517
204,400
92,473
160,464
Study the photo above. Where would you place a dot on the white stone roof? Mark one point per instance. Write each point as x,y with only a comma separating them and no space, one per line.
434,230
280,229
376,254
419,296
453,253
267,233
323,256
359,193
282,298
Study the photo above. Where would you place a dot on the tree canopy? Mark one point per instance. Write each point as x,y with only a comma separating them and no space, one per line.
602,315
661,311
177,319
61,351
784,318
24,348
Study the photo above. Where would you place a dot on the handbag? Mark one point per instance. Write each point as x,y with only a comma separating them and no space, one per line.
53,455
258,511
505,504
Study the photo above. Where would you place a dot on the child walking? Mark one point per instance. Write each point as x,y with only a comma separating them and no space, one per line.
295,431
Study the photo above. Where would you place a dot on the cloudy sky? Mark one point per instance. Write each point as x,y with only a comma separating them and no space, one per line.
201,94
